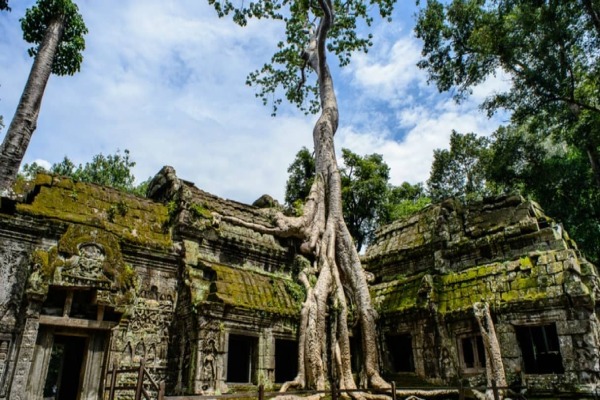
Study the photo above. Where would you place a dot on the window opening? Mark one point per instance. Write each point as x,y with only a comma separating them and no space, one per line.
540,349
242,359
472,353
286,360
401,352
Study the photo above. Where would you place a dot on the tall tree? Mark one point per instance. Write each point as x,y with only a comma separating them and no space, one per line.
548,48
522,158
458,172
56,29
556,174
365,192
301,177
333,268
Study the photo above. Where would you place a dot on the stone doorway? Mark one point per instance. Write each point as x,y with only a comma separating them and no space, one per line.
65,367
67,364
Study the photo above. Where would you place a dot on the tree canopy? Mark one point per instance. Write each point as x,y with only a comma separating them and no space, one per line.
56,29
114,170
68,57
521,158
549,49
285,75
459,171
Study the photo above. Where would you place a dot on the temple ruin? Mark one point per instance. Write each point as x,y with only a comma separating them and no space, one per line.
93,278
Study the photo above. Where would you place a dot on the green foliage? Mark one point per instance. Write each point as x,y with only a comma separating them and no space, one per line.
405,200
199,211
364,194
4,5
113,170
522,158
284,74
29,171
301,177
546,47
555,174
459,171
35,23
549,50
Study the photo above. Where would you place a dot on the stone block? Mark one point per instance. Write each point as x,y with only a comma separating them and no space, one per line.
571,327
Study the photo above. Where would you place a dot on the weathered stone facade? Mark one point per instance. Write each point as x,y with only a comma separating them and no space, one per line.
431,269
91,278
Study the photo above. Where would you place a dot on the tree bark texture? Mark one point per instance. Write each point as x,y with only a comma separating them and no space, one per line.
335,281
493,357
24,121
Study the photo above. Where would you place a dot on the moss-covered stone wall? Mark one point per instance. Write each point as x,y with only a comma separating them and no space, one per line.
432,267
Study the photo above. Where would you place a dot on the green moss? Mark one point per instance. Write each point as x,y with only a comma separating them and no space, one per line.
199,211
501,284
128,277
263,292
526,262
134,219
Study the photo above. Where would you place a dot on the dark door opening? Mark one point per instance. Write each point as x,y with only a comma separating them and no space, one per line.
472,353
286,360
63,380
242,357
540,349
401,353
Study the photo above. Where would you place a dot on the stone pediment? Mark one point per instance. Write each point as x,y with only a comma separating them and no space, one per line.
85,257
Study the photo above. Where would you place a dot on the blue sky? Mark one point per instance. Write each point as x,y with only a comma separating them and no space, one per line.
165,79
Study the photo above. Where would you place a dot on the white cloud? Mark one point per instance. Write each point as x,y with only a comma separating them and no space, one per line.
166,80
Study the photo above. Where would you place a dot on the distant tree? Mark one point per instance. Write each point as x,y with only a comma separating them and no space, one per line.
522,158
365,191
555,174
550,50
405,200
459,171
56,29
114,170
301,177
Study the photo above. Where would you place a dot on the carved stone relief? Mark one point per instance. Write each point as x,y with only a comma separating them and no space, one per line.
145,334
210,355
13,273
86,268
5,347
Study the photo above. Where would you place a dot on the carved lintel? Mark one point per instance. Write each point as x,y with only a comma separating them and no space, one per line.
76,322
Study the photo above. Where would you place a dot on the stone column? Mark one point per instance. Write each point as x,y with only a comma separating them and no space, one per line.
25,354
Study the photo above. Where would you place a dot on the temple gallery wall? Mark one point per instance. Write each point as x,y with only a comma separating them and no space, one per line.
91,277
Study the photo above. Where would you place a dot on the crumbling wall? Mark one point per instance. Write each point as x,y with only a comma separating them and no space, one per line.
432,267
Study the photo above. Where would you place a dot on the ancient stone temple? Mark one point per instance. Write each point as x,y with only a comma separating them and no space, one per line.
431,268
93,279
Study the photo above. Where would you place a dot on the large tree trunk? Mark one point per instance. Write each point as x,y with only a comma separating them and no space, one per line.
337,274
493,356
337,263
25,120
